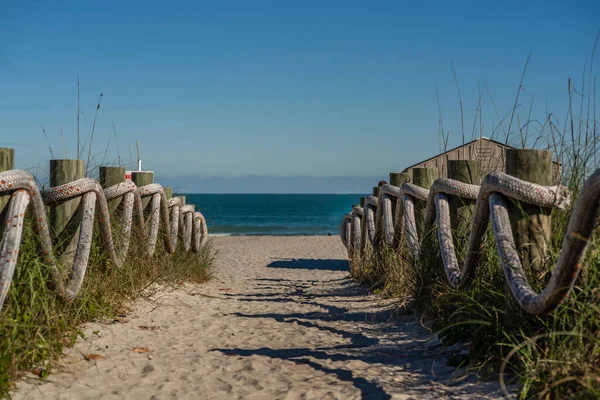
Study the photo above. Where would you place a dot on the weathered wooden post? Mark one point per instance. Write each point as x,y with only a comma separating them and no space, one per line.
461,211
356,226
110,176
363,199
7,162
181,218
424,178
7,159
143,178
168,192
364,227
398,179
351,233
378,217
530,224
186,224
63,222
365,230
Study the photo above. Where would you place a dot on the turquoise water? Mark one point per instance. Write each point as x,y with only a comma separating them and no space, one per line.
273,214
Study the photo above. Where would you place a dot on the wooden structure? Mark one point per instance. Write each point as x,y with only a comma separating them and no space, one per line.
65,233
519,203
490,154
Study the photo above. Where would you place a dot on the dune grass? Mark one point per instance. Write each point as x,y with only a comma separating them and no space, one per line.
551,356
35,324
546,357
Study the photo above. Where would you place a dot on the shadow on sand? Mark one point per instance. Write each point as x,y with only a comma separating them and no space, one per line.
405,346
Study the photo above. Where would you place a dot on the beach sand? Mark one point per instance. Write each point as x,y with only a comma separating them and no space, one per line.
280,320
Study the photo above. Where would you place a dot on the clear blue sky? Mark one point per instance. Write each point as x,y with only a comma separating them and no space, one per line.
278,88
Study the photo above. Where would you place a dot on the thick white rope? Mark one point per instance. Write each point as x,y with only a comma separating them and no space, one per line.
24,192
368,222
187,215
491,203
355,235
345,229
386,194
200,231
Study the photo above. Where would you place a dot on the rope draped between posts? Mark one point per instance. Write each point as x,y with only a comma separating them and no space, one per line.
490,204
357,215
368,221
345,229
170,215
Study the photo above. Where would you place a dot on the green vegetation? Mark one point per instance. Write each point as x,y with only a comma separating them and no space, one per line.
552,356
35,324
547,357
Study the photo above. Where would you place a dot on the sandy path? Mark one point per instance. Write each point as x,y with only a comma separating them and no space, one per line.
267,327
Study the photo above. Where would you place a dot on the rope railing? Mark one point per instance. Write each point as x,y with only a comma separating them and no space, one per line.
491,199
345,229
357,216
168,216
387,195
368,221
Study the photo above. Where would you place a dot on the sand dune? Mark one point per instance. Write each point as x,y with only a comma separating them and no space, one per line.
281,320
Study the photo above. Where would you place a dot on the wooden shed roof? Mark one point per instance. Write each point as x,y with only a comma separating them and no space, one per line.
463,145
456,148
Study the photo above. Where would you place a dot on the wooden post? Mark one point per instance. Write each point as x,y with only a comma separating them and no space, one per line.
530,224
181,221
64,224
352,241
378,218
7,162
142,179
168,192
398,179
461,211
362,201
110,176
424,178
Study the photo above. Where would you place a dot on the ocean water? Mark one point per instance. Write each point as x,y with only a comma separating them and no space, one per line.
273,214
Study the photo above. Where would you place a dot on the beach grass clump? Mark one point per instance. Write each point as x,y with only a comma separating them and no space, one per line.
548,356
558,355
35,324
396,275
362,265
384,269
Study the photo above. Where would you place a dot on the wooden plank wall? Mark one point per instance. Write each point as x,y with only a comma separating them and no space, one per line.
490,154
